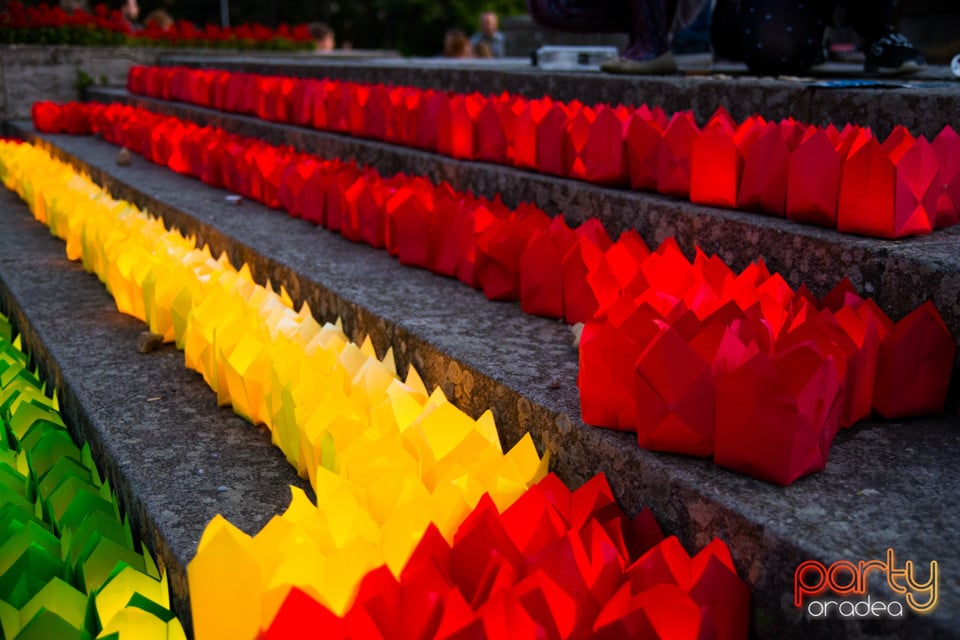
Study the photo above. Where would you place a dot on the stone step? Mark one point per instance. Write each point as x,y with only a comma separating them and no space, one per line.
899,274
883,488
923,103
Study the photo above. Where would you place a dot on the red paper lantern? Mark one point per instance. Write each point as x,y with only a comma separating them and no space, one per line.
576,132
46,116
408,212
456,136
339,98
717,587
300,109
212,169
603,155
318,96
643,138
480,217
915,197
608,354
313,196
851,137
136,78
813,180
336,209
922,345
527,116
675,396
405,114
946,188
180,142
763,184
866,200
673,160
579,301
550,139
366,211
300,614
177,87
218,92
491,142
247,102
378,113
499,248
355,99
715,166
777,415
618,273
541,282
448,226
897,143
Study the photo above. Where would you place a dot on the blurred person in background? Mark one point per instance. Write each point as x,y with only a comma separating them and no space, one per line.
489,34
456,44
323,36
130,11
481,50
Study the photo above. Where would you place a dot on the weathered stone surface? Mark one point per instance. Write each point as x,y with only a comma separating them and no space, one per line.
153,426
49,72
887,485
899,274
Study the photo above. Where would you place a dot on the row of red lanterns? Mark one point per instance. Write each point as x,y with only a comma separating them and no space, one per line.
845,179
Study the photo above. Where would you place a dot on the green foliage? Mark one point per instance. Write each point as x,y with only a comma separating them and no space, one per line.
82,81
61,35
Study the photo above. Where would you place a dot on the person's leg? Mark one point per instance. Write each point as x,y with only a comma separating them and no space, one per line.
648,38
649,48
583,16
887,51
695,36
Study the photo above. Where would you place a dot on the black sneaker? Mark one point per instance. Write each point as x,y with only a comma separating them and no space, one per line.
893,54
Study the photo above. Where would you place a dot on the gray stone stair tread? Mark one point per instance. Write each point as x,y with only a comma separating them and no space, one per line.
899,274
174,458
887,484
